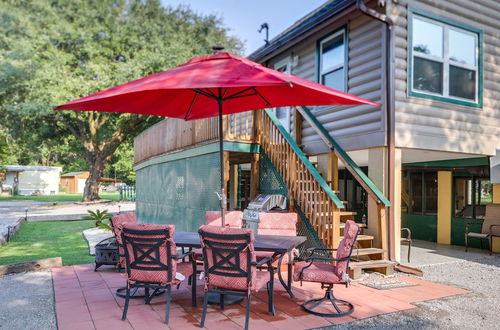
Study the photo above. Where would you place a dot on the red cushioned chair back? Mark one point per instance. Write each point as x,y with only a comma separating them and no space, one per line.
148,252
344,250
119,220
233,219
283,224
228,254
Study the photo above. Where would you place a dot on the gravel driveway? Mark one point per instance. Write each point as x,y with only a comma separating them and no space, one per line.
479,309
26,301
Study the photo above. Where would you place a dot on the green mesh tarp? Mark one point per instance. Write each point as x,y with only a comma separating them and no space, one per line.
178,192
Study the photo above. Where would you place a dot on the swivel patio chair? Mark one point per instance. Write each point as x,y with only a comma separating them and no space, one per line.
318,268
152,262
230,266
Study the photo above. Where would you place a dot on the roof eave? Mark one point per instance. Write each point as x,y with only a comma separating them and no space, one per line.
286,39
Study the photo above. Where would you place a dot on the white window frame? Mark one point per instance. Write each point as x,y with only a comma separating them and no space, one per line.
285,63
445,60
322,71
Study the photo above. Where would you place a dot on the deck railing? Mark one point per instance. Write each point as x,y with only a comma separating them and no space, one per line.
175,134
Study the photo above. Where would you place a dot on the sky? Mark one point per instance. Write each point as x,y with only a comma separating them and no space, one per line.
244,17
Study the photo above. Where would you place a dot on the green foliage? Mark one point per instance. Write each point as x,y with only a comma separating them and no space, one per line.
53,51
98,216
39,240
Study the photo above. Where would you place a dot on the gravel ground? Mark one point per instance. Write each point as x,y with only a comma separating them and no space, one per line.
479,309
26,301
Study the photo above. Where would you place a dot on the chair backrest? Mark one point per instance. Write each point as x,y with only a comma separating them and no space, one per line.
233,219
119,220
148,252
228,254
344,250
283,224
492,217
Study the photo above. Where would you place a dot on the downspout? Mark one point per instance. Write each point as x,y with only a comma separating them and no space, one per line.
389,106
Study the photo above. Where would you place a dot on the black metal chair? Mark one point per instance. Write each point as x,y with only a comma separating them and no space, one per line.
230,266
319,268
151,262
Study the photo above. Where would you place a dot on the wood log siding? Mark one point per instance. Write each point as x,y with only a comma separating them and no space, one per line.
174,134
305,185
421,123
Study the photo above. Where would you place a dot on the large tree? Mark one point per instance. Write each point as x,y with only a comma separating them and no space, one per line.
53,51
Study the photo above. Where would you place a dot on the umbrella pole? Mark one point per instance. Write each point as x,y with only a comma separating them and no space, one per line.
221,155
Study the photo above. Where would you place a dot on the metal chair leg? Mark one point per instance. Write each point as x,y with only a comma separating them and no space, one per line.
466,242
193,290
167,308
204,311
409,249
247,313
125,307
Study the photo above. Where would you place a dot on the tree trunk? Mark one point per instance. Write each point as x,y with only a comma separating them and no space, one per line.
96,168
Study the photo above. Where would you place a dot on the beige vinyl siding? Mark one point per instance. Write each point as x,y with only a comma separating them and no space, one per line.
353,127
436,125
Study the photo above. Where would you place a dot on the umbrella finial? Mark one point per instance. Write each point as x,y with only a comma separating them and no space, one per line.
217,49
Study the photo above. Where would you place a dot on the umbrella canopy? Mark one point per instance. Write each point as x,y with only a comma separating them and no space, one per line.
211,85
194,89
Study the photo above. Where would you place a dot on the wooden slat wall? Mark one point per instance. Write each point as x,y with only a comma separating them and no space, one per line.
174,134
423,123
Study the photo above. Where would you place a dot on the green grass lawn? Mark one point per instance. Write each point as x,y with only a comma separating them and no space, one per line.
38,240
115,196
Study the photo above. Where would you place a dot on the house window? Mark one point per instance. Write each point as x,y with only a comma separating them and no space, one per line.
284,113
332,53
472,194
419,193
445,61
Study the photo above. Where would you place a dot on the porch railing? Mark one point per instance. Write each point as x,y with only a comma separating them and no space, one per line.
174,134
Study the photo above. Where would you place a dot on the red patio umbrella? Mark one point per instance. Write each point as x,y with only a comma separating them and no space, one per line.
211,85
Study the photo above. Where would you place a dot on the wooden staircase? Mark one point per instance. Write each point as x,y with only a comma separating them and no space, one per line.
319,203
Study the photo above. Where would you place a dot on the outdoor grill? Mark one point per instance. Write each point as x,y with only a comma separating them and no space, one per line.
262,203
106,252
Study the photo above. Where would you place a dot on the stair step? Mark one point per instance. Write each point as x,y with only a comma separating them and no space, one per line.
371,264
361,238
361,225
366,252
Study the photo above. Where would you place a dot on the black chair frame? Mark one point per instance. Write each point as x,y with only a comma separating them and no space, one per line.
227,251
144,244
312,304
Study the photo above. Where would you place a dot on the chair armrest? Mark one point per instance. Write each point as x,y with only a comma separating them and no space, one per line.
470,223
182,256
315,258
262,261
408,233
491,227
320,249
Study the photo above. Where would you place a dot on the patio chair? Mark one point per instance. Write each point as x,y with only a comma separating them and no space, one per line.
152,262
280,224
489,229
116,223
233,219
231,268
318,268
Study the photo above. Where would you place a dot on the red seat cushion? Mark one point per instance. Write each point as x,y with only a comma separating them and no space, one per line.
283,224
317,272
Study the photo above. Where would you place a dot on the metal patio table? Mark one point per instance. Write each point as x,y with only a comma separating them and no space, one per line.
280,245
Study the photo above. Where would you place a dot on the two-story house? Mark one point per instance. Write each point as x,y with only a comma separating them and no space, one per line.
435,67
431,64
